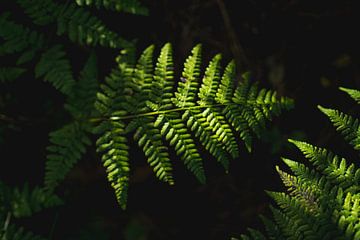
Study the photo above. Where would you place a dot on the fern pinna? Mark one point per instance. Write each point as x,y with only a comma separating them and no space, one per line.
18,203
148,102
322,202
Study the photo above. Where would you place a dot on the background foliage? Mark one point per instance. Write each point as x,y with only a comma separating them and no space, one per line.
302,49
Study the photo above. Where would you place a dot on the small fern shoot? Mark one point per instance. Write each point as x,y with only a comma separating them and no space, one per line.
155,108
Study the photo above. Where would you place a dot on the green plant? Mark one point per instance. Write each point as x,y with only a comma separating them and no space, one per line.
322,202
19,203
135,99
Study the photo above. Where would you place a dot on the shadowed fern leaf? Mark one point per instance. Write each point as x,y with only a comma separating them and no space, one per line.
18,39
14,233
54,68
69,143
24,202
9,74
322,202
144,103
18,203
78,24
130,6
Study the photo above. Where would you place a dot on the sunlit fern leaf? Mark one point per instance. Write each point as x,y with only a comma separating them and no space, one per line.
163,82
24,202
9,74
348,126
154,111
142,81
112,142
15,233
330,165
149,139
187,88
56,69
354,93
210,82
171,125
174,130
197,123
68,144
130,6
304,186
17,38
42,12
227,85
323,202
147,135
207,93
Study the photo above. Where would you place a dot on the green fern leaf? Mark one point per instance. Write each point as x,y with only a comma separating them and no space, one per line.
18,39
9,74
25,201
225,90
42,12
187,89
115,157
130,6
86,29
346,125
149,109
355,94
68,144
54,68
83,95
15,233
112,142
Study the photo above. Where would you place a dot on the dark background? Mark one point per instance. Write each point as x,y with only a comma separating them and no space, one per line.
302,49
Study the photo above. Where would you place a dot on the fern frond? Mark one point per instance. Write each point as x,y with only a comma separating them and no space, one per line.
68,144
42,12
345,124
14,233
23,202
56,69
152,111
9,74
18,38
84,28
331,166
324,202
354,93
130,6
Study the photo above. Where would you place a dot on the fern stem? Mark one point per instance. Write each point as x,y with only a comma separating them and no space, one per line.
98,119
158,112
6,225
